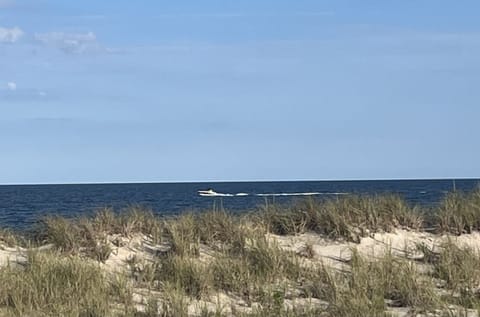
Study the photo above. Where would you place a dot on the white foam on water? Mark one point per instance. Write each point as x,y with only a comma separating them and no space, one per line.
289,194
298,194
215,194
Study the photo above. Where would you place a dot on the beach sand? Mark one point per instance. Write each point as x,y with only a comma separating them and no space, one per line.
324,251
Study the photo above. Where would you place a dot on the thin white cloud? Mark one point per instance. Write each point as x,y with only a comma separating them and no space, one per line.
10,35
71,43
12,86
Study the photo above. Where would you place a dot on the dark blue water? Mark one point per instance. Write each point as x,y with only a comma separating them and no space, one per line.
20,206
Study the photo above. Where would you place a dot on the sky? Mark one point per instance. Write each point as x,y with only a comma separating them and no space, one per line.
166,91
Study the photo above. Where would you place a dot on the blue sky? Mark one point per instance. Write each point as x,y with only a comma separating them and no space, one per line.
119,91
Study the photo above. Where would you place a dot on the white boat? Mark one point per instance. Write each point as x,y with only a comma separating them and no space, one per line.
208,192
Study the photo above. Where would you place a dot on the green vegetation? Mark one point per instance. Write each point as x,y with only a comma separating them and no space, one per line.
457,267
349,217
460,212
50,285
197,257
9,238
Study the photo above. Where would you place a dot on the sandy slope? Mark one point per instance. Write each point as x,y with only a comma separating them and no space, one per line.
331,253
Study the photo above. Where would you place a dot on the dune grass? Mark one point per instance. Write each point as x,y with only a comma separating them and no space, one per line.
52,286
185,274
350,217
459,212
394,279
247,273
458,268
245,262
10,238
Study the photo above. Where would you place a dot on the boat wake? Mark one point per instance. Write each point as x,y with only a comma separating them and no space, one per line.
299,194
212,193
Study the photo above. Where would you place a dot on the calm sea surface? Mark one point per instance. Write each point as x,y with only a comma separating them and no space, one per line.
20,206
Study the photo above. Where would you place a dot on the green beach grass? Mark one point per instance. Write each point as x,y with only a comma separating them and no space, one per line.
263,263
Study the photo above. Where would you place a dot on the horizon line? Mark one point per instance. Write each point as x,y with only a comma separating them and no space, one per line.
244,181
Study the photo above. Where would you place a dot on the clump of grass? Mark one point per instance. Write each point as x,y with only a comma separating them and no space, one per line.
9,238
143,272
362,293
190,277
321,282
55,286
369,283
232,275
60,232
134,219
122,290
105,220
182,236
403,285
138,219
223,231
349,217
268,261
458,267
459,212
214,226
175,303
260,263
91,241
74,237
272,300
284,220
89,236
377,213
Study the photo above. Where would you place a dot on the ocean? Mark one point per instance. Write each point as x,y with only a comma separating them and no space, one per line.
23,205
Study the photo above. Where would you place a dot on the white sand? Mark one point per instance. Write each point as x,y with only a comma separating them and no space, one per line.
331,253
